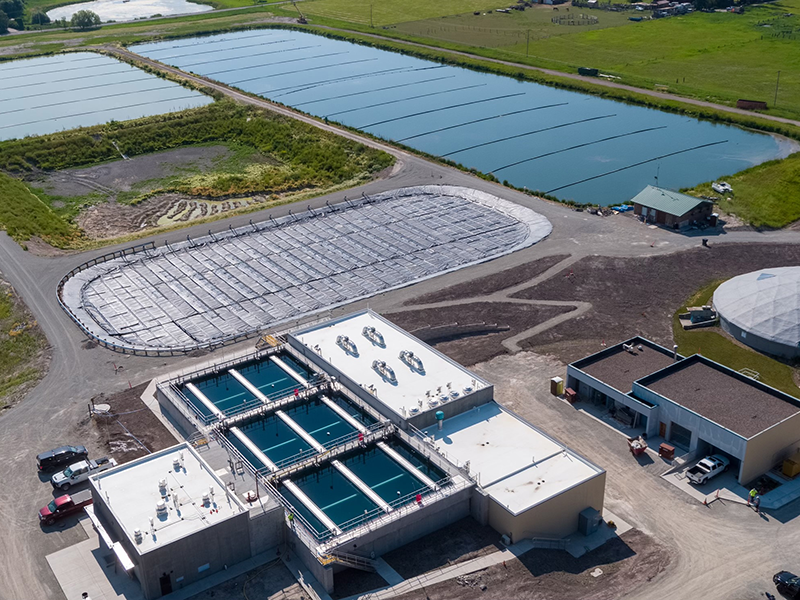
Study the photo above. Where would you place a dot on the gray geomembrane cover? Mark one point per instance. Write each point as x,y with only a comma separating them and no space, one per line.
765,303
209,290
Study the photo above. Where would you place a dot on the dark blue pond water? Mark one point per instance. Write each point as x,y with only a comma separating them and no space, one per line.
574,146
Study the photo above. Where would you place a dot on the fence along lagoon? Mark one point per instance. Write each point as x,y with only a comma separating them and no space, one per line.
572,145
78,89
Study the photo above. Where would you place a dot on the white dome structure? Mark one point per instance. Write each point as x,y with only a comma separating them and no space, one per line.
762,309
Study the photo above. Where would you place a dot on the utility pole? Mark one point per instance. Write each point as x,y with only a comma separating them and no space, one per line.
775,103
528,42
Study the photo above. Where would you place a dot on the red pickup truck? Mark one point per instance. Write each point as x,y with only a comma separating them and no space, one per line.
64,506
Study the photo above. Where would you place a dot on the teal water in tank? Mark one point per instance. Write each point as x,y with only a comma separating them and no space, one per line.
572,145
227,393
273,437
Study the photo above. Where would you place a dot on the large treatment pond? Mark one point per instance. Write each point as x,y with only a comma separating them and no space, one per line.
128,10
229,395
53,93
282,445
347,505
565,143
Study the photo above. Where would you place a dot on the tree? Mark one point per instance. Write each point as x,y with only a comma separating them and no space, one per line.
40,18
14,9
85,19
3,22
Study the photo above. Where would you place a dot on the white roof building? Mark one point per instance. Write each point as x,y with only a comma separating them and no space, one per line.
517,465
403,373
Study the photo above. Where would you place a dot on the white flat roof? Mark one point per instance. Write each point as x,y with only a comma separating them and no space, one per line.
411,385
131,492
518,465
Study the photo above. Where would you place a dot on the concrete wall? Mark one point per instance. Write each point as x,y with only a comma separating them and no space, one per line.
266,528
479,506
420,522
184,426
453,408
554,518
587,381
758,343
701,428
770,447
224,544
324,575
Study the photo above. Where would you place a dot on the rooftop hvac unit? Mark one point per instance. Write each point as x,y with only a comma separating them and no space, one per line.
137,536
176,464
374,336
206,499
162,486
161,508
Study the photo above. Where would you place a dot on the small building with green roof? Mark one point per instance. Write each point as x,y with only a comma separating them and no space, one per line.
672,209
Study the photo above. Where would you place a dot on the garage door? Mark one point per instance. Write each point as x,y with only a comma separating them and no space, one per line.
680,436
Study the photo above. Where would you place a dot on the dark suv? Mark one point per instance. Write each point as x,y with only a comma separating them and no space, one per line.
47,461
787,583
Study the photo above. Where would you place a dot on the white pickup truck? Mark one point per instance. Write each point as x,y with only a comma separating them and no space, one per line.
80,471
709,467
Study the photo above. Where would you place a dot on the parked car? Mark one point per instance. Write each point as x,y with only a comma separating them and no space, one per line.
48,461
707,468
80,471
64,506
787,584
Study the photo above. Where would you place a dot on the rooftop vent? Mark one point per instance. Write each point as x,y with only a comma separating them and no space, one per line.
374,336
206,499
413,361
137,536
384,370
346,344
162,486
161,508
176,464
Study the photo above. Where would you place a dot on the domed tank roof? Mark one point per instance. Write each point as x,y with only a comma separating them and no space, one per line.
765,303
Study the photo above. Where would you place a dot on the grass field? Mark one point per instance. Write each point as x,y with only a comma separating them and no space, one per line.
262,153
719,57
513,30
21,344
23,215
764,196
713,344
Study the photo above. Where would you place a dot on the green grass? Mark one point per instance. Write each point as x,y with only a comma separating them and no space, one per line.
391,12
270,154
510,30
719,57
713,344
767,195
21,341
23,215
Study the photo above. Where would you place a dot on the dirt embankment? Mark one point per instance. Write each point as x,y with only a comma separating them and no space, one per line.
639,295
625,563
473,333
128,431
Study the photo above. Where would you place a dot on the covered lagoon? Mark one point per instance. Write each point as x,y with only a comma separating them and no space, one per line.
128,10
78,89
572,145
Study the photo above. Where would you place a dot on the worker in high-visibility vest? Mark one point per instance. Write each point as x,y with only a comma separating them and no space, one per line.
751,496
